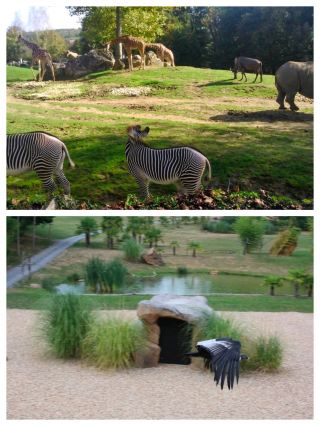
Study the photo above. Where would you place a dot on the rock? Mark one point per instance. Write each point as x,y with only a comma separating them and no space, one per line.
152,59
93,61
190,309
136,61
118,65
152,258
35,285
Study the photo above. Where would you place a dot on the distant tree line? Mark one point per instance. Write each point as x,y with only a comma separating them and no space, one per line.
209,36
199,36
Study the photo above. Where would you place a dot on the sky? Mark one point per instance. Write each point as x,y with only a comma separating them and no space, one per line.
32,18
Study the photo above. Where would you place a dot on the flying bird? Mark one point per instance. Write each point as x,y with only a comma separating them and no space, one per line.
223,357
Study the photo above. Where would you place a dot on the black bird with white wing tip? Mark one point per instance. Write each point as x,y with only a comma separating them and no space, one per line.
223,357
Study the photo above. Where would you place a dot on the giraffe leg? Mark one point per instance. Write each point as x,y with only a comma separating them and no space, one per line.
34,76
52,70
142,58
40,67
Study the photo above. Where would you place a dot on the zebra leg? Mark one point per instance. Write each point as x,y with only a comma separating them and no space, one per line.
63,181
190,184
143,186
44,173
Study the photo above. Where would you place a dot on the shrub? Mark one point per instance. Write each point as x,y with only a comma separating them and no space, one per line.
132,250
103,277
182,270
250,231
219,227
65,325
269,353
112,342
93,271
49,283
73,278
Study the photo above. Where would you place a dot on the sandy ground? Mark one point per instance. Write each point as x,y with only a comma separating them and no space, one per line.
39,387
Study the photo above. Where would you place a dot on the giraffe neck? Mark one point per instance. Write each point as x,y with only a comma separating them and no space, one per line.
32,46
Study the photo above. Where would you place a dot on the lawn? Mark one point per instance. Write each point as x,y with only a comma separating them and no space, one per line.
250,144
39,299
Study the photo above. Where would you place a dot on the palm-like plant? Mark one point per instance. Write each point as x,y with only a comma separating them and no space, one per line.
153,236
273,281
112,226
194,246
300,278
174,245
87,225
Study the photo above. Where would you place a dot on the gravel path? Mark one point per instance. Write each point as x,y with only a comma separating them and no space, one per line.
39,387
41,259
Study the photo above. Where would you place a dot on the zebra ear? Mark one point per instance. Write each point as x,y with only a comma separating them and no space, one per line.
146,131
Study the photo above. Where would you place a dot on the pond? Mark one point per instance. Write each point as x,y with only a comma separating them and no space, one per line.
193,284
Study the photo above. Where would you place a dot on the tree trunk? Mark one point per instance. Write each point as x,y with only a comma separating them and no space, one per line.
271,290
34,222
174,250
310,291
18,237
118,47
87,238
194,253
296,290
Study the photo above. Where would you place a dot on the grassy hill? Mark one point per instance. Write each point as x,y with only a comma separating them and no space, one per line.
250,144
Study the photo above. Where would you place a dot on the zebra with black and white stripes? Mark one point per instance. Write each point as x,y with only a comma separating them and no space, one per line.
183,164
41,152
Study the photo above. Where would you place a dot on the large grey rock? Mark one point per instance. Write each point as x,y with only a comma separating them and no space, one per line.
93,61
152,59
187,308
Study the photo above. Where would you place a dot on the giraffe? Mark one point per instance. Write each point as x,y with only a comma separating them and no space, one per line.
130,43
163,52
41,55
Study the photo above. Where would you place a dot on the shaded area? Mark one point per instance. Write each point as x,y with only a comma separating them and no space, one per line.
269,116
175,340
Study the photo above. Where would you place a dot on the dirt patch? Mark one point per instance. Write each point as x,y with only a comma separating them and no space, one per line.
41,387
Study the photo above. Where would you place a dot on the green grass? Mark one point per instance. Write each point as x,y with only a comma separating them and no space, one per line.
271,157
16,74
38,299
61,227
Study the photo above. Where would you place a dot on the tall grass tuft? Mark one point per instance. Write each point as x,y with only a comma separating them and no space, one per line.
112,342
132,250
65,325
269,353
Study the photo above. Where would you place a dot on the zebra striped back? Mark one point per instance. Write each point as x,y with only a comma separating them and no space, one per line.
167,165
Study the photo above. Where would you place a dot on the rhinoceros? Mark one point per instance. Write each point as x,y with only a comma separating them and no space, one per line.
291,78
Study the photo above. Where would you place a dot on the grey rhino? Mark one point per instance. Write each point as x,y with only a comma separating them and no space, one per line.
291,78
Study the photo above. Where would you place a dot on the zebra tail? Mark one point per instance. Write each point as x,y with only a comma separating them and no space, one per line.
69,158
209,169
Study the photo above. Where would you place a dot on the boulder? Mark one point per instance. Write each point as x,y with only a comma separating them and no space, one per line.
152,59
93,61
152,258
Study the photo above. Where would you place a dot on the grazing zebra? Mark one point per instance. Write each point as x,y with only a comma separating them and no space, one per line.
163,165
41,152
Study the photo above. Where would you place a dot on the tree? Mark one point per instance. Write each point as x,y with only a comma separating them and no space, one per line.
194,246
273,281
250,231
174,245
99,24
87,225
136,226
300,278
111,226
152,236
286,242
14,49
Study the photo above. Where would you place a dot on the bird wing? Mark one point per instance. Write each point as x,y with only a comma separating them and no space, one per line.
225,357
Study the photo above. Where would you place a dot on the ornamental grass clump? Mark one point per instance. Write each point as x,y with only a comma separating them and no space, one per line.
268,353
112,342
65,325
